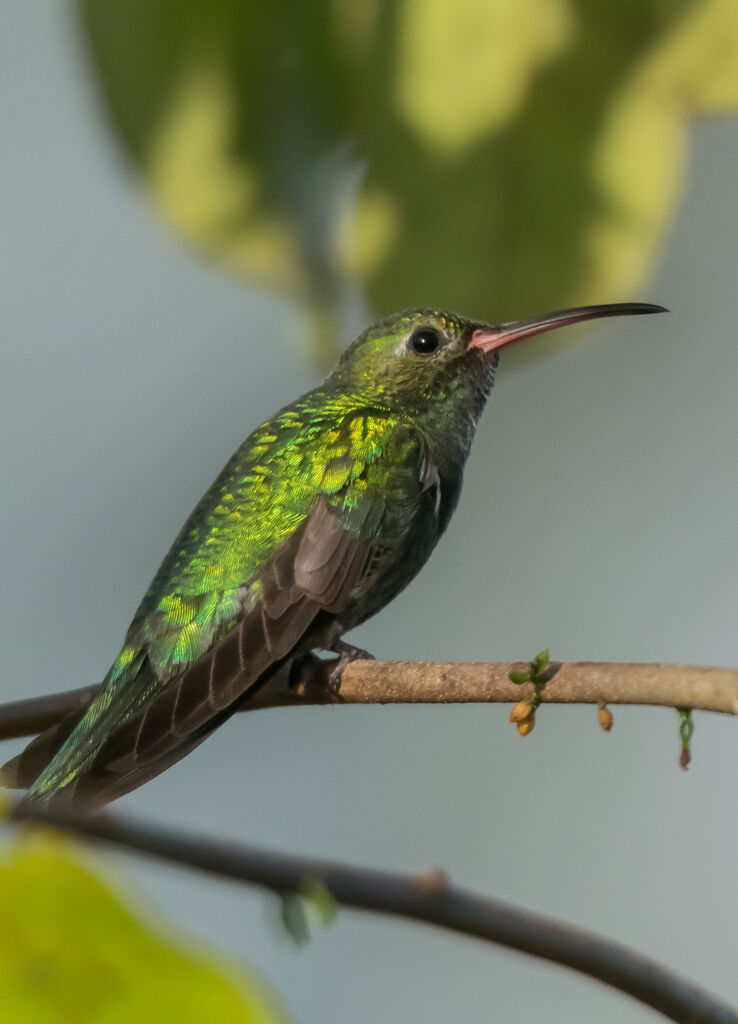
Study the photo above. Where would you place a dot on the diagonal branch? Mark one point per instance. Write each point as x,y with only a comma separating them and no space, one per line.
454,682
427,898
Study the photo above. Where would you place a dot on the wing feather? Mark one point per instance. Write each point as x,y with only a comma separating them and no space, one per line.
170,697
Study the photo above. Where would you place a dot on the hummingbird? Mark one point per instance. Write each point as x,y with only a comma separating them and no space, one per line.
318,520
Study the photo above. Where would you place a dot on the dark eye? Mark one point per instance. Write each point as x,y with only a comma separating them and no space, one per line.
425,341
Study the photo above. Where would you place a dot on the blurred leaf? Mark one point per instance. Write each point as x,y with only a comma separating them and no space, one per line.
297,908
499,157
295,919
71,953
320,900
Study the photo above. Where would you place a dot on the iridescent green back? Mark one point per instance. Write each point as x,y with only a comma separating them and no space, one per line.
359,460
326,511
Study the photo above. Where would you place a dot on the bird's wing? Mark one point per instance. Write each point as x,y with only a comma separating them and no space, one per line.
165,692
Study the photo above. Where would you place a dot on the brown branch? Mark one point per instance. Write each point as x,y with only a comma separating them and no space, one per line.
455,682
480,682
33,715
428,898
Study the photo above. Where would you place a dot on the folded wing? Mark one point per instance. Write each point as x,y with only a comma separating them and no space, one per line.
153,709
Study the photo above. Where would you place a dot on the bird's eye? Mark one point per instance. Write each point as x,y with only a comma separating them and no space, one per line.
425,341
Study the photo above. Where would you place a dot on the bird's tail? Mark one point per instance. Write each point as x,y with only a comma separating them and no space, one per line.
21,771
53,761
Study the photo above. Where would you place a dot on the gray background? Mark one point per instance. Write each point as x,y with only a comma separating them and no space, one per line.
598,518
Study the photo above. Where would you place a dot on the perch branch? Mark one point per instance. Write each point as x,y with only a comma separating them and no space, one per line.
454,682
428,898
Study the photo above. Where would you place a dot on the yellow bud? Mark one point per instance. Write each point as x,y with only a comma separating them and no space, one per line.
604,717
522,711
526,726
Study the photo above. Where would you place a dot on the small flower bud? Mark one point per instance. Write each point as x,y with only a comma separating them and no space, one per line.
435,880
526,726
604,717
685,758
522,711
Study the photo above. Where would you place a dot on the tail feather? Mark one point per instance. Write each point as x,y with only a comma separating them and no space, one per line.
53,760
21,771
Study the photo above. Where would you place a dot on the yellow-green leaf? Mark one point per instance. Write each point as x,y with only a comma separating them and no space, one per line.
498,157
72,953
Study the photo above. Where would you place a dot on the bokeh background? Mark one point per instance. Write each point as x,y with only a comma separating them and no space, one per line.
598,516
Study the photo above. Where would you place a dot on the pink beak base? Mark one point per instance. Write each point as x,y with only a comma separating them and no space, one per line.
490,339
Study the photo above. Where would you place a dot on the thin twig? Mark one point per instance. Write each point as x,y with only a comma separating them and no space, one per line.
455,682
428,898
33,715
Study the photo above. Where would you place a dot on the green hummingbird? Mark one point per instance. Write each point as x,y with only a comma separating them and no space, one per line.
318,520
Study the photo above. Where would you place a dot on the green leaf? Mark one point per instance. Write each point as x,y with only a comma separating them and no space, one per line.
70,950
540,661
531,150
519,677
320,900
295,919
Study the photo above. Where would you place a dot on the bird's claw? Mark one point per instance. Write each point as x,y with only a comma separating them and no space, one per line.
346,654
300,669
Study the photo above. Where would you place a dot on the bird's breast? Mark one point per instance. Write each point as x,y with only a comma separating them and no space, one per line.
400,550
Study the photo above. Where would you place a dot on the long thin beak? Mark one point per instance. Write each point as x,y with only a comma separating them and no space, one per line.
488,339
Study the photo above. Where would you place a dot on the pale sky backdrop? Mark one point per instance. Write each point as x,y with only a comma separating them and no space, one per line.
599,518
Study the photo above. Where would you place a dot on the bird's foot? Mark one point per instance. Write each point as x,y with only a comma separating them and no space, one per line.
300,669
346,654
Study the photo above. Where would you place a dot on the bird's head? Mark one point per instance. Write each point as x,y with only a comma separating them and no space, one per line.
419,358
